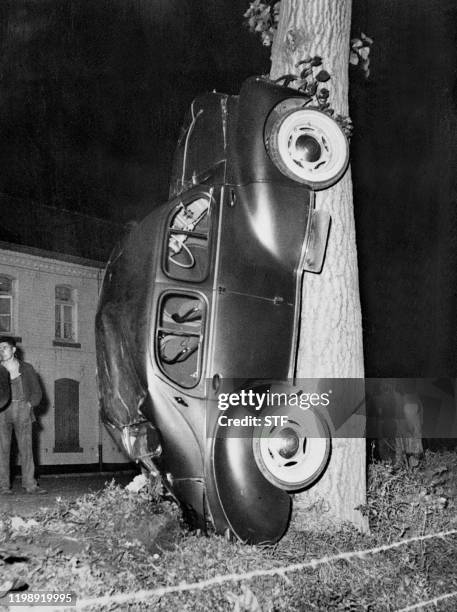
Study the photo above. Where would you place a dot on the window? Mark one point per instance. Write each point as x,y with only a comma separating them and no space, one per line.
186,245
179,337
65,314
6,304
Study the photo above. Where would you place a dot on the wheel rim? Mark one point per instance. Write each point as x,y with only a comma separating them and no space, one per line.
308,146
293,456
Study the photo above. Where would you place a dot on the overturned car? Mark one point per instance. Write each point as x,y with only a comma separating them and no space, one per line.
202,301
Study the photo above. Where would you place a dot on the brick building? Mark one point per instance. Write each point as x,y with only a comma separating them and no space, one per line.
48,301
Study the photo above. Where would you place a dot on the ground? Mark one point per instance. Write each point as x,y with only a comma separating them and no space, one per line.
68,487
129,551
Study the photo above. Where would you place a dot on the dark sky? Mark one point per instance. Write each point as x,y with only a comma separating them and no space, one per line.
404,155
93,93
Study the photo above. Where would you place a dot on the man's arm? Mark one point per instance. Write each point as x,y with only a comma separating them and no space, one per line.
5,392
34,386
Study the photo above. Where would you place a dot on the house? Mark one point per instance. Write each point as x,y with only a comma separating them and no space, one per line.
48,300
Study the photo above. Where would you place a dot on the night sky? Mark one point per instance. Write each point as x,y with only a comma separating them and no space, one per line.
404,166
93,93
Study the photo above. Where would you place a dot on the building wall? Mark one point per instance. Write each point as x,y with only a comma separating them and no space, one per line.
35,278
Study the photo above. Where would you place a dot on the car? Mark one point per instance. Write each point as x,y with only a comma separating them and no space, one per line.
199,312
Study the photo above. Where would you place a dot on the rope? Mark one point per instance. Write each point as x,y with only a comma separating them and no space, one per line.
146,595
434,602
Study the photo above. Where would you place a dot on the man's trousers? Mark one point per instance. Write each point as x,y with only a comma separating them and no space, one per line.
18,418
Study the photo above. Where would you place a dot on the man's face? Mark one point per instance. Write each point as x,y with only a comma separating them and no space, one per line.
6,351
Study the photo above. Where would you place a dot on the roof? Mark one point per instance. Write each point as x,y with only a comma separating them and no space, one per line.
25,223
37,252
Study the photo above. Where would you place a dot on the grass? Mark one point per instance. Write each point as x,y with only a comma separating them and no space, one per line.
117,542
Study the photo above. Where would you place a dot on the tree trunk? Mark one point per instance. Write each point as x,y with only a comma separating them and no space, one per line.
331,329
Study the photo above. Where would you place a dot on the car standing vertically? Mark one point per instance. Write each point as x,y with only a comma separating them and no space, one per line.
203,297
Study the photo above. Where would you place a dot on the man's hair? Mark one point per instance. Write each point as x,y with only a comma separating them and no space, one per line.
9,340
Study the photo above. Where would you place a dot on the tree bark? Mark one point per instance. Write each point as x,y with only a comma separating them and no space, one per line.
331,329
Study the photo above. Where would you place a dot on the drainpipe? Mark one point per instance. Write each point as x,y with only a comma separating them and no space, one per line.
100,439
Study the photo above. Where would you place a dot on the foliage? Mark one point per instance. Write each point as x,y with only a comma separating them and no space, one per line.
262,18
310,82
116,542
402,500
360,53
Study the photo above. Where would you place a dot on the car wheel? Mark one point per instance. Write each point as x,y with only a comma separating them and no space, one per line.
292,456
306,144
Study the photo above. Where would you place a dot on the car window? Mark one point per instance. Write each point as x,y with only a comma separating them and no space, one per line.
186,245
179,336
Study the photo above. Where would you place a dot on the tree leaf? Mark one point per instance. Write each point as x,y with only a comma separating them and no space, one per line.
353,58
322,76
305,73
307,60
366,39
312,89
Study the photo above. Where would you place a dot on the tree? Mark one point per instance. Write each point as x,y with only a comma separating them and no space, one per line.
331,329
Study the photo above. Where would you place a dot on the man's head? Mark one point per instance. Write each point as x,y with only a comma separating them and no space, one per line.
7,347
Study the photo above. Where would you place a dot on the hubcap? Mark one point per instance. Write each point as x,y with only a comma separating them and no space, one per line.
287,445
308,148
294,456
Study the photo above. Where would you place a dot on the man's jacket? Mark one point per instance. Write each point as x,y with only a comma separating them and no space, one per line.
5,393
30,384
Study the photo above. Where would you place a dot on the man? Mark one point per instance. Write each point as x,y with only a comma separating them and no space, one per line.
400,411
411,426
25,393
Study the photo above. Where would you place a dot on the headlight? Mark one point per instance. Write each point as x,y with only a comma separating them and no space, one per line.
305,144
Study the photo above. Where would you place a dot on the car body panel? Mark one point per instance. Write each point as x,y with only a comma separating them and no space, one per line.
207,289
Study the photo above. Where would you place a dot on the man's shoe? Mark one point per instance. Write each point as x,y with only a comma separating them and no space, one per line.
36,491
5,491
